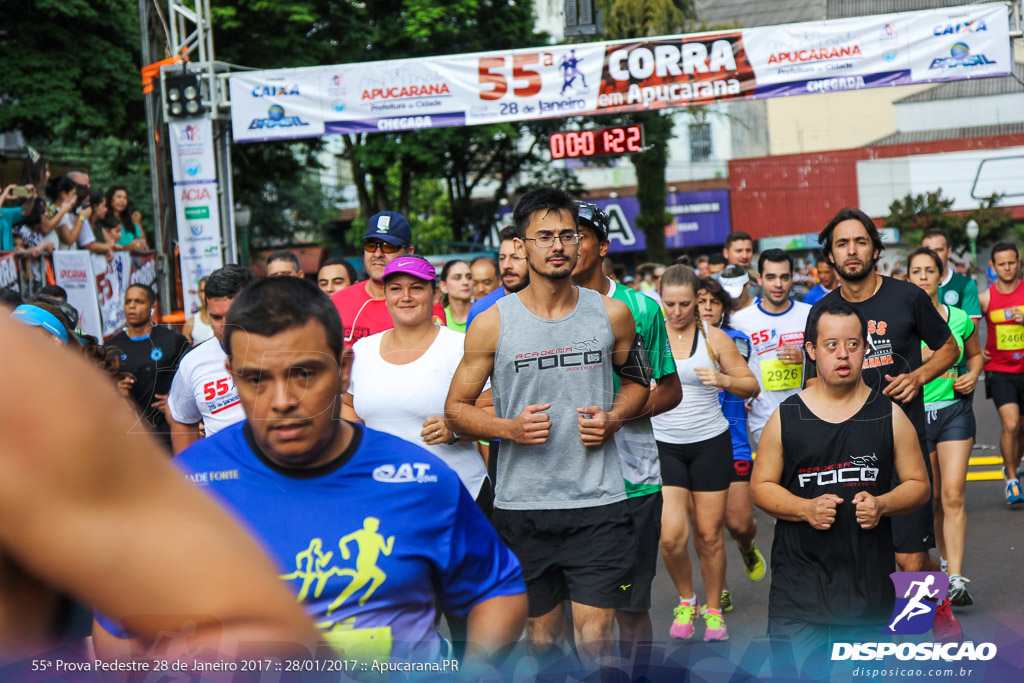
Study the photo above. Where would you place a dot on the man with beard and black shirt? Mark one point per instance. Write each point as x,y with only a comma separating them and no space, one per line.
151,354
900,316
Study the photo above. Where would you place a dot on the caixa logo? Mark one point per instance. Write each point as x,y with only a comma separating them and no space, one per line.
963,27
406,473
195,194
276,119
275,90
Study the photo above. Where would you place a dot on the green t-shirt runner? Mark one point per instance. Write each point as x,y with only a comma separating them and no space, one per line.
961,292
939,392
450,321
641,468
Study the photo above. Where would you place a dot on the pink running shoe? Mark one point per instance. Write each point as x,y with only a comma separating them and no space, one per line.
714,626
682,624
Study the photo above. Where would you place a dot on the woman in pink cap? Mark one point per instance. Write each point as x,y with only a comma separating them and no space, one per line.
400,377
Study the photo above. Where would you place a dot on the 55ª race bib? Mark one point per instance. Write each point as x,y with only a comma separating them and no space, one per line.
1009,337
777,376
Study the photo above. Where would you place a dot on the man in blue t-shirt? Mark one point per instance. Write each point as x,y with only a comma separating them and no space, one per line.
369,530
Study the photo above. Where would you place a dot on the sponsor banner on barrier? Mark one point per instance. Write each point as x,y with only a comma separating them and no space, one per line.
74,272
195,198
112,280
8,271
622,76
144,270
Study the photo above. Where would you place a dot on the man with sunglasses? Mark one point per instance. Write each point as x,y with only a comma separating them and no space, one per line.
361,306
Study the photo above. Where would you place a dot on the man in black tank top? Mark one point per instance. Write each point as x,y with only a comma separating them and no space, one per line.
823,470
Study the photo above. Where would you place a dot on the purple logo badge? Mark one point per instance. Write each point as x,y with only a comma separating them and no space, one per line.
918,595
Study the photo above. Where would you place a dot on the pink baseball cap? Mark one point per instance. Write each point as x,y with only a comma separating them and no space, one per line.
411,265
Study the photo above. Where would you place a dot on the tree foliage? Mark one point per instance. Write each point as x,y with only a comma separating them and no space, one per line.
70,83
69,69
915,213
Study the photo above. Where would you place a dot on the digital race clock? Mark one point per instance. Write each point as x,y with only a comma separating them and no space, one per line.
600,142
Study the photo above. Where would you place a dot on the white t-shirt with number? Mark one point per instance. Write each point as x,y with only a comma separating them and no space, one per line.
767,332
397,398
203,390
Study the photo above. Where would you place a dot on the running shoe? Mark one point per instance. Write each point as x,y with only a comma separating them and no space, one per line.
714,626
1013,496
682,624
753,562
726,602
946,628
958,594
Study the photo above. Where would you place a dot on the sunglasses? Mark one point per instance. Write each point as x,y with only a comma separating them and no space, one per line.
371,246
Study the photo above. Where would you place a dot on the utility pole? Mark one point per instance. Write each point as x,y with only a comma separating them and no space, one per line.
165,283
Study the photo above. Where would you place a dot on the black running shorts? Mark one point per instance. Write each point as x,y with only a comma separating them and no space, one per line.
701,466
1004,387
914,532
952,423
586,555
646,513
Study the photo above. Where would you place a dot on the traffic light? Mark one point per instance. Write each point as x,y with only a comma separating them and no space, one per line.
183,97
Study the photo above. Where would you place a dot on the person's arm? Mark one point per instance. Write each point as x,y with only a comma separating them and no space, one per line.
913,488
348,411
983,301
186,329
667,391
596,425
966,382
48,224
97,512
494,626
933,331
904,387
532,426
735,377
139,243
183,434
69,236
665,395
770,496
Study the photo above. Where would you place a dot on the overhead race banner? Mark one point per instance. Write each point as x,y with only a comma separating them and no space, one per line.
195,204
951,43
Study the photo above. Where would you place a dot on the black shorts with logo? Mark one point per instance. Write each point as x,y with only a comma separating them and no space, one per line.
914,532
586,555
1004,387
646,513
741,471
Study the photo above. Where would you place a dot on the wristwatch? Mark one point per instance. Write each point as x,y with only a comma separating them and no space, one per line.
455,437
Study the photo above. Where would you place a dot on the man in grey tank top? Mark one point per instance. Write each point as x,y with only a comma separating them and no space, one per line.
560,502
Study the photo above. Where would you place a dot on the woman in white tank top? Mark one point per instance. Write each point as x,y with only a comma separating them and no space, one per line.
696,451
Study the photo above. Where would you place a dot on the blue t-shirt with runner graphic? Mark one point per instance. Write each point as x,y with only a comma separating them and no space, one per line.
366,541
